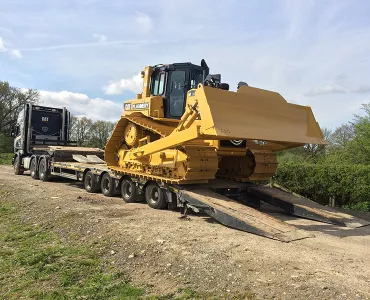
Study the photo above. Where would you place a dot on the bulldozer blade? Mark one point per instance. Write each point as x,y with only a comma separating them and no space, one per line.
303,207
236,215
255,114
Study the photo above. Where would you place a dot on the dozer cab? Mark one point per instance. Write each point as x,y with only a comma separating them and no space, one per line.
187,127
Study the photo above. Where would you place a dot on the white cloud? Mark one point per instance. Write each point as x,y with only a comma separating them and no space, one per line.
16,53
12,52
101,38
143,22
362,89
325,90
334,89
133,84
2,47
81,105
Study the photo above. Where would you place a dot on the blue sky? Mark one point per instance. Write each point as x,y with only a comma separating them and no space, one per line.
86,54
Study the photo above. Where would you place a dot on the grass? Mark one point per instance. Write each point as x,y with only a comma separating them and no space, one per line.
36,264
6,158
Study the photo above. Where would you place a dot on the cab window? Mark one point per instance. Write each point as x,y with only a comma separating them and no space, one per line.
158,84
177,93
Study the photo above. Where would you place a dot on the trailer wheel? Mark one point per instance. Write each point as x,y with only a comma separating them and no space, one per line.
17,166
155,196
129,191
33,169
44,172
107,185
90,183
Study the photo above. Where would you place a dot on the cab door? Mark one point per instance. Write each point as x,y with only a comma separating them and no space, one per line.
176,94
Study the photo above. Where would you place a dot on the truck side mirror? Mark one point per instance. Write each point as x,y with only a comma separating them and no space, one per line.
12,132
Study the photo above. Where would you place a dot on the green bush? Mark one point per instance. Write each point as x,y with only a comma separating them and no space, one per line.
6,143
6,158
347,184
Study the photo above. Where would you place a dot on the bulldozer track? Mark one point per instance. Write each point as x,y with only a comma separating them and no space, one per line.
201,163
149,124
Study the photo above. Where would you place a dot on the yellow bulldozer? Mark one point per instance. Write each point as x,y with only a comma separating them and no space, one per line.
186,127
188,141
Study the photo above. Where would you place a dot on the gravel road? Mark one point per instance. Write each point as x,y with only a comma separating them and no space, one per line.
162,252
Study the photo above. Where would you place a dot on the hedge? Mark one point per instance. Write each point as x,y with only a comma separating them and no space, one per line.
348,185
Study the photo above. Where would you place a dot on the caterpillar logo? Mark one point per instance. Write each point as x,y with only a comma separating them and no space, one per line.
127,106
140,105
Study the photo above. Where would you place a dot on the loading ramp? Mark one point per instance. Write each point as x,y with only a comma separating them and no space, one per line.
302,207
216,199
239,216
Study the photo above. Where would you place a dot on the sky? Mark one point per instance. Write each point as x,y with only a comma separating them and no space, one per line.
86,55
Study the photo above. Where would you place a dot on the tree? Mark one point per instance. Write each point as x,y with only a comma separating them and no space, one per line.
343,134
312,152
80,130
100,133
12,100
358,149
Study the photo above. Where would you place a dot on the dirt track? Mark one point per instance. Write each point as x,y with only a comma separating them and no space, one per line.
163,253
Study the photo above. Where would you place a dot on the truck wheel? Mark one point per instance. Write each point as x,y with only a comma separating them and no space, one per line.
17,166
90,183
129,191
108,185
44,172
33,169
155,196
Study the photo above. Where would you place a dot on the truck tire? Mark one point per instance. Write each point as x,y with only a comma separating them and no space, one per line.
107,185
129,191
44,171
17,166
155,196
33,168
91,186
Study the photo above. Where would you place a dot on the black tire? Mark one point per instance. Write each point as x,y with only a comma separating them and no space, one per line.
17,166
44,171
33,168
129,191
107,185
155,196
90,183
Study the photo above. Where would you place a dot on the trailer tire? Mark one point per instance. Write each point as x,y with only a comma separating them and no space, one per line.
33,168
44,172
129,191
155,196
107,185
17,166
91,186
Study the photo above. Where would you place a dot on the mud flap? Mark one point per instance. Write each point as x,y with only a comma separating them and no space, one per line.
302,207
236,215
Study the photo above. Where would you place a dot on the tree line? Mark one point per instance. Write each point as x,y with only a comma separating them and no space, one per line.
85,131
